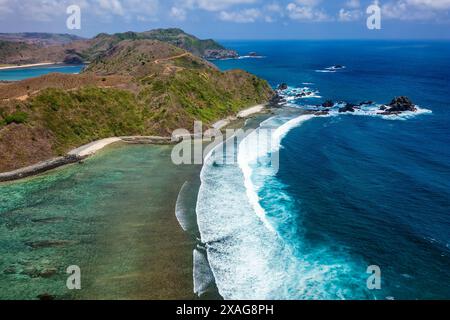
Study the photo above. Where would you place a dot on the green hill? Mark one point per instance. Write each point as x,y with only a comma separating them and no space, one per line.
137,87
37,47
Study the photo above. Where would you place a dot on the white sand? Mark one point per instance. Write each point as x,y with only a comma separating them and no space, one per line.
28,65
250,111
93,147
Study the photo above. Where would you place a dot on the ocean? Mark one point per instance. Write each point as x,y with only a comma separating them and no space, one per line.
32,72
352,191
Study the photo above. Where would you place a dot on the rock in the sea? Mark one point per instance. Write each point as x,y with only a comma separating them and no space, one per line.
283,86
402,104
399,105
365,103
322,113
328,104
276,101
220,54
349,107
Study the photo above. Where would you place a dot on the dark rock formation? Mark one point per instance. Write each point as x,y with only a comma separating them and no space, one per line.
349,107
399,105
303,94
365,103
322,113
220,54
277,101
328,104
282,87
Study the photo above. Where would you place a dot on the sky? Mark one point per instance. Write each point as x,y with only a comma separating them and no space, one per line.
235,19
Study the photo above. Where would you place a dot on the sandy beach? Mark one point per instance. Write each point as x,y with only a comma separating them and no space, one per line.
28,65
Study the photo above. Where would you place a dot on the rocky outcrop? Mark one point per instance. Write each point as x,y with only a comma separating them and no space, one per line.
349,107
328,104
399,105
276,101
220,54
283,87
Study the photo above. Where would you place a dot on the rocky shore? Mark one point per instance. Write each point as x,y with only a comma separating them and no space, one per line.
397,106
220,54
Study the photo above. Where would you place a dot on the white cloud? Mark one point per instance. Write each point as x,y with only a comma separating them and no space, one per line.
179,14
211,5
48,10
434,4
353,4
243,16
306,10
112,6
349,15
416,9
353,13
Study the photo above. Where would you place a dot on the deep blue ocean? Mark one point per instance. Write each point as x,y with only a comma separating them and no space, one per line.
352,191
32,72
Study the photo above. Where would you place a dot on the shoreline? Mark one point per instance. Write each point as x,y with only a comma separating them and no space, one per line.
90,149
31,65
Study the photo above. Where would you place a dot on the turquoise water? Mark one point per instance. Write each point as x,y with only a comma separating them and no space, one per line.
351,191
112,216
33,72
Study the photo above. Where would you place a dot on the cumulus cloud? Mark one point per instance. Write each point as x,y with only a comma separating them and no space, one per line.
47,10
179,14
306,10
211,5
349,15
416,9
353,4
243,16
352,12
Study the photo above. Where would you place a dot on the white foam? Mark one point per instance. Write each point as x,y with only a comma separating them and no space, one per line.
247,259
326,71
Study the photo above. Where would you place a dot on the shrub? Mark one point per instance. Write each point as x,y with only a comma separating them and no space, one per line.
16,117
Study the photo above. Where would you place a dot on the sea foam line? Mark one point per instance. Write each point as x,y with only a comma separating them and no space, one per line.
256,145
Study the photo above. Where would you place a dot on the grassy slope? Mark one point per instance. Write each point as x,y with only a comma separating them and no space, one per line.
34,48
154,88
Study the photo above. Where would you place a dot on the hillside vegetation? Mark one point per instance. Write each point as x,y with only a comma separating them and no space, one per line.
137,87
35,48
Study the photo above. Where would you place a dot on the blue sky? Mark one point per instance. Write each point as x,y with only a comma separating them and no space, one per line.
235,19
